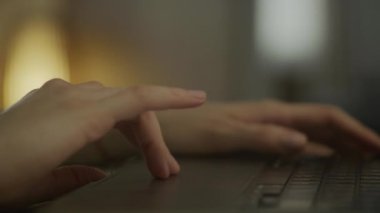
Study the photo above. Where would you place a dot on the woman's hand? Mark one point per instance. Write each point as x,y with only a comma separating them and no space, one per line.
267,127
50,124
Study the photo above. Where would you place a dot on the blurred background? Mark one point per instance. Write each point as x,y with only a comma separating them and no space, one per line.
294,50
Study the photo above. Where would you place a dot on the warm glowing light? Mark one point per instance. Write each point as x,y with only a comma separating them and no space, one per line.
36,54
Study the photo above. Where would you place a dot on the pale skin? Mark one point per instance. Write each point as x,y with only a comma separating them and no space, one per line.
50,124
267,127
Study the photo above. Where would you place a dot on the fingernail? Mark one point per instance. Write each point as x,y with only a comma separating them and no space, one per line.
100,175
164,173
198,94
173,165
295,142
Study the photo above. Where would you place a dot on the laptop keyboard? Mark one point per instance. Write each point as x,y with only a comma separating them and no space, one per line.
318,184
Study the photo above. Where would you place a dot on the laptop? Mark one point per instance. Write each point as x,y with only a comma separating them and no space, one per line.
238,183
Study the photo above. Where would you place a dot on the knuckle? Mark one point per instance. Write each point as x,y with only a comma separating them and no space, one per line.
177,92
57,88
140,92
136,94
56,82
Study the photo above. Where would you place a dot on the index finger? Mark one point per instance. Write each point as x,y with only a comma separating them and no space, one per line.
128,103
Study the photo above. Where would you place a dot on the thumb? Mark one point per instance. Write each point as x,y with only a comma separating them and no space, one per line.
270,138
66,179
